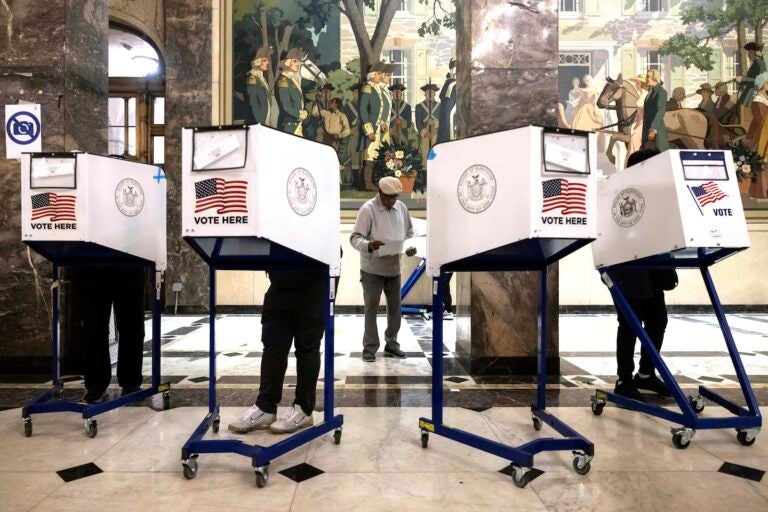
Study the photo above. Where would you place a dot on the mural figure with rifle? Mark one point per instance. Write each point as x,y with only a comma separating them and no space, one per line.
427,120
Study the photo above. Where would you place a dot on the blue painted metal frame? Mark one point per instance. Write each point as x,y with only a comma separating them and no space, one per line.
521,455
261,455
49,400
416,274
743,418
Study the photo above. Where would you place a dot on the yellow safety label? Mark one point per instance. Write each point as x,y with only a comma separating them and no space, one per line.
164,387
426,426
600,395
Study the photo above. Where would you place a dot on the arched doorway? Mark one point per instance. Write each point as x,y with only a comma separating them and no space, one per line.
136,127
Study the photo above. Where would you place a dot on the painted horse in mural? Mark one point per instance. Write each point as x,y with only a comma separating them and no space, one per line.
687,128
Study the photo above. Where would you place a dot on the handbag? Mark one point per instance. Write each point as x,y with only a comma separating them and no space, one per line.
668,279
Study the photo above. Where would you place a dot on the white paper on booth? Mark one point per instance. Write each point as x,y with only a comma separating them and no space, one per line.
53,173
221,148
567,158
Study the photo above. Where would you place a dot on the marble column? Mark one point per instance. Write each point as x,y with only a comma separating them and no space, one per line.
187,103
507,58
53,53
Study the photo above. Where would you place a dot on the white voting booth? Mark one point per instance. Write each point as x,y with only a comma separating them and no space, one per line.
493,190
515,200
250,182
93,208
678,209
83,210
676,203
255,198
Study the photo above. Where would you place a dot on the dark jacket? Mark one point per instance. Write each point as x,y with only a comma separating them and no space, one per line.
653,116
259,98
642,283
447,105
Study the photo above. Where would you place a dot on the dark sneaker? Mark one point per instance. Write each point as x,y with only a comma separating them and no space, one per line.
129,390
93,398
394,352
369,357
651,383
627,389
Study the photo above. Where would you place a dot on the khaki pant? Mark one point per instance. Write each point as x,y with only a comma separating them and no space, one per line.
373,285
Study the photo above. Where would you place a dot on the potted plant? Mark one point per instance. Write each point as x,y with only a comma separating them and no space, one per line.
749,166
401,160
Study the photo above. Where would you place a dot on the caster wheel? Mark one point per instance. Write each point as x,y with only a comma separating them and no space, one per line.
744,438
536,424
597,407
91,428
190,467
697,402
27,427
521,476
166,400
215,426
337,436
581,465
681,441
424,439
59,394
262,477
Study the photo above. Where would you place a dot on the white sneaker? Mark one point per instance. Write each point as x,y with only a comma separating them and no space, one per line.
291,421
447,315
252,419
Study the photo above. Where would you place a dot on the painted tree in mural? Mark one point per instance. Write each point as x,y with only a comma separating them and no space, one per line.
706,25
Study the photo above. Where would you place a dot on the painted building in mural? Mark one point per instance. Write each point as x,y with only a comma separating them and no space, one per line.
417,59
608,37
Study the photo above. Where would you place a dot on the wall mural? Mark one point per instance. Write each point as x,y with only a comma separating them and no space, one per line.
346,73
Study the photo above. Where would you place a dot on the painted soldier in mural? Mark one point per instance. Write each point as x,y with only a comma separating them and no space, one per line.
386,101
747,83
653,112
320,105
370,123
447,129
335,126
290,99
427,120
400,123
351,156
259,93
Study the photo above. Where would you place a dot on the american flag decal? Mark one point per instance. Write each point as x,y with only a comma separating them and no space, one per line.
567,196
707,193
55,206
227,196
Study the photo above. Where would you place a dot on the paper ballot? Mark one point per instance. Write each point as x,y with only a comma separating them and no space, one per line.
206,154
53,173
566,158
390,247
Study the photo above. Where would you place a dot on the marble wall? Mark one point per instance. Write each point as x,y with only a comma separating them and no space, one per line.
506,77
53,53
187,103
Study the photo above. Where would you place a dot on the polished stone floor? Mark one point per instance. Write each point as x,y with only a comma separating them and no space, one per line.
134,461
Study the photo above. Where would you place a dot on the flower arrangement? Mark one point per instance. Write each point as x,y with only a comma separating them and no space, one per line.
748,162
401,160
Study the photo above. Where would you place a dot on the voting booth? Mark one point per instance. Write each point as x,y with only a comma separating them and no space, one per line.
679,209
509,201
255,198
79,210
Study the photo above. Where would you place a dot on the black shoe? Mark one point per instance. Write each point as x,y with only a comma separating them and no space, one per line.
651,383
394,352
93,398
627,389
368,357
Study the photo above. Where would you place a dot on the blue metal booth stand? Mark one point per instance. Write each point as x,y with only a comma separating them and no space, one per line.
291,209
84,244
481,219
695,197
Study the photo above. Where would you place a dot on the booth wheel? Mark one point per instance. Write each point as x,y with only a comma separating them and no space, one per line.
166,400
190,467
59,393
424,438
27,426
91,427
746,437
581,463
681,437
521,475
597,406
337,436
536,424
215,425
697,402
262,476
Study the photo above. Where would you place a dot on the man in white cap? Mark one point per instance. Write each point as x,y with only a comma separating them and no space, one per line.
381,219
